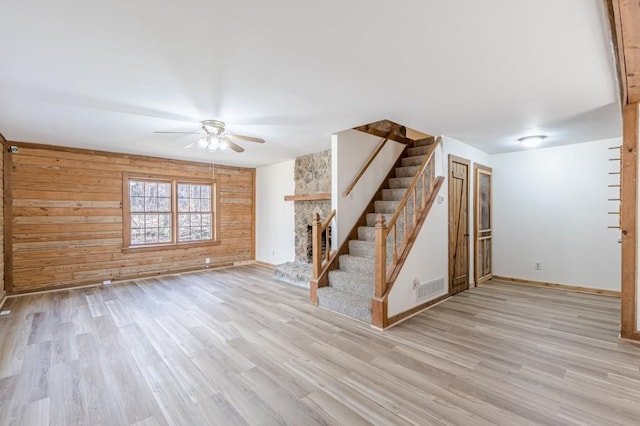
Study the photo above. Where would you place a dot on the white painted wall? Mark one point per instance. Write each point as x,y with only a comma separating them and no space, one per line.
349,151
275,238
550,205
429,258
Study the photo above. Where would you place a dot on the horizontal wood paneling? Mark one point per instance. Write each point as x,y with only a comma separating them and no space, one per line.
2,284
66,226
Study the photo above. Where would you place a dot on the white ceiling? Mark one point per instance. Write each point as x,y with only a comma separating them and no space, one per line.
105,75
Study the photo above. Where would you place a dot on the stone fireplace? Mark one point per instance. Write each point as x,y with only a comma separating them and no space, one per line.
312,175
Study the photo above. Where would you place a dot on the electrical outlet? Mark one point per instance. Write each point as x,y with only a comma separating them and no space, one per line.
537,266
207,260
106,282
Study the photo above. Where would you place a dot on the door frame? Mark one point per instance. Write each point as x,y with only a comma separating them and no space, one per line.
477,170
452,159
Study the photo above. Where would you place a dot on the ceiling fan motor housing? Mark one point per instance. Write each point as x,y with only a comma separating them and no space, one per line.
213,127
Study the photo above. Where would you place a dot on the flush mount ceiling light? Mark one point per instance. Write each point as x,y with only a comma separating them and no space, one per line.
532,141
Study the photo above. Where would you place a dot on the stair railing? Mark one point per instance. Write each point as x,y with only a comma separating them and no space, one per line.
392,243
320,263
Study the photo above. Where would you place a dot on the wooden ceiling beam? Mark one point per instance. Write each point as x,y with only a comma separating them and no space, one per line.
383,127
630,16
382,134
624,18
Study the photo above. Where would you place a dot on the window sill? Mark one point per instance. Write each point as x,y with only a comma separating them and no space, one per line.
165,247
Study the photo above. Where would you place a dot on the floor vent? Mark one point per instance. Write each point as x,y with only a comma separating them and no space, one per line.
429,289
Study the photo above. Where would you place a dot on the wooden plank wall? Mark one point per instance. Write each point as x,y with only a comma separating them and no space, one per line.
2,286
66,218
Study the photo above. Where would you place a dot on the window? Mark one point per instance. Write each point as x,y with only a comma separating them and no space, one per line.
194,212
150,204
160,212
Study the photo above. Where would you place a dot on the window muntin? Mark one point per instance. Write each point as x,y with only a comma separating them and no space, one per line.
164,212
150,206
194,212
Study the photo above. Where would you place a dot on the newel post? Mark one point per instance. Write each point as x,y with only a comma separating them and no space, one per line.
378,303
316,256
380,270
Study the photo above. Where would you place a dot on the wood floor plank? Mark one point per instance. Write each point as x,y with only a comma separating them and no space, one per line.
232,346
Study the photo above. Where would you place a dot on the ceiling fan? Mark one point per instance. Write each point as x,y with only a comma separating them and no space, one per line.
215,139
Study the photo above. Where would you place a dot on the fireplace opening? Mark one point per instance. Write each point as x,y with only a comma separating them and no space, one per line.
326,242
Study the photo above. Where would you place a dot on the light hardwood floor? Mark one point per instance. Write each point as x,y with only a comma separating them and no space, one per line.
232,346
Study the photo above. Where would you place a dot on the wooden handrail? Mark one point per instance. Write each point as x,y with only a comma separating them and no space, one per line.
369,161
326,223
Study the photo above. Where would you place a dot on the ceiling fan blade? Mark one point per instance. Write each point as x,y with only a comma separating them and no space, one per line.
245,138
199,142
233,146
181,133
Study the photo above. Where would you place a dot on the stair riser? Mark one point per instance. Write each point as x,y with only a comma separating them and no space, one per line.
366,233
406,171
423,142
420,150
393,194
347,281
412,161
396,183
362,248
359,309
359,265
385,206
372,218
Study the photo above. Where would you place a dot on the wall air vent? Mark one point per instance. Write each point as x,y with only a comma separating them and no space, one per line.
430,289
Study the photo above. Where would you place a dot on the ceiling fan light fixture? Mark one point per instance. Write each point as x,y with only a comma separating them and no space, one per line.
213,137
203,142
214,143
532,141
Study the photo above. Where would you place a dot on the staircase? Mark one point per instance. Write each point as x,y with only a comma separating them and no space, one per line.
351,287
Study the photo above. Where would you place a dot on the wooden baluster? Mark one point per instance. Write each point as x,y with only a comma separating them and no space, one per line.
316,240
405,215
425,192
395,243
327,244
432,173
380,272
415,207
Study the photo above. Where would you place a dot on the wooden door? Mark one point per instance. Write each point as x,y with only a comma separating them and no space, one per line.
483,217
458,224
